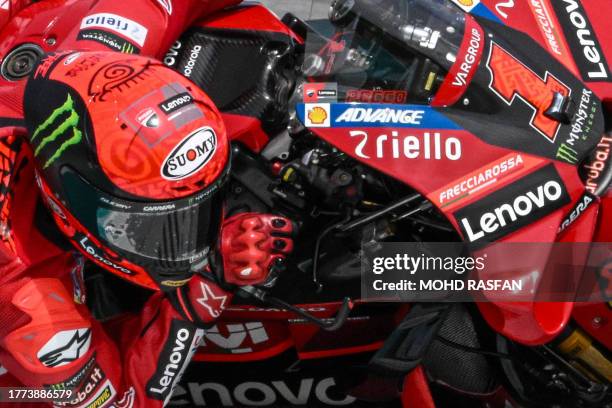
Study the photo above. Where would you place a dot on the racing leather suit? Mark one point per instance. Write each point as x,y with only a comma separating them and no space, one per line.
136,361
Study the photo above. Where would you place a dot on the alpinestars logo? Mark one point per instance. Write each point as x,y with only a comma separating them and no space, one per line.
63,121
507,210
213,304
65,347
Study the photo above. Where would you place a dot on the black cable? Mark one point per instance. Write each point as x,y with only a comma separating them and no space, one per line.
315,257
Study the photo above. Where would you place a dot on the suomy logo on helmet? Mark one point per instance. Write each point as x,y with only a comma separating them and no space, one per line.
190,155
62,121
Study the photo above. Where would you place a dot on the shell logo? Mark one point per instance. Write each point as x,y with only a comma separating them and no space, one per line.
317,115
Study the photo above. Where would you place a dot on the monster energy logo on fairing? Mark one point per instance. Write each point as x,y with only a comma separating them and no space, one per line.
127,48
59,128
567,154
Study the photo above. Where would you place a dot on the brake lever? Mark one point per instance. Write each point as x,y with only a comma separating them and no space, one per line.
326,324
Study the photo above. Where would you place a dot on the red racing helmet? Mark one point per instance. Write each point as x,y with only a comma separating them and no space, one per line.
131,159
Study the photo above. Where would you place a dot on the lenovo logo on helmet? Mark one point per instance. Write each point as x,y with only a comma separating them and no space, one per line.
190,155
97,254
519,204
176,102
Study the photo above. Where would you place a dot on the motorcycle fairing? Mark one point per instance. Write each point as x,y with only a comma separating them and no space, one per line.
247,42
251,333
549,23
503,112
511,93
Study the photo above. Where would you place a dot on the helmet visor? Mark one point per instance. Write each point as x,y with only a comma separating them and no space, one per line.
174,231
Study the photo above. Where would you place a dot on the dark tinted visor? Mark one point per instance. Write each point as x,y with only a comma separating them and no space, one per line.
172,231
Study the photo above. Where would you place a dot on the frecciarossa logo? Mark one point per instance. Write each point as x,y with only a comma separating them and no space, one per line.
190,155
513,207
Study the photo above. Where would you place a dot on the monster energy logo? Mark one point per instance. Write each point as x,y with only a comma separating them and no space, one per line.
567,153
58,128
127,48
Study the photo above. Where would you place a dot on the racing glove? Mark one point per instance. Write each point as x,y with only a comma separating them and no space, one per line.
252,251
253,248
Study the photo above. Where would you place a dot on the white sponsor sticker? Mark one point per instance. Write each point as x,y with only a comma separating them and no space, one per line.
118,24
65,347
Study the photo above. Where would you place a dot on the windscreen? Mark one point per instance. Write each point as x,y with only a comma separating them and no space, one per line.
372,49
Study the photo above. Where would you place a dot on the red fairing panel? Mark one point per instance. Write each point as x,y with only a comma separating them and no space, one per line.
576,32
245,129
535,323
458,79
145,27
528,323
45,24
10,8
537,19
257,18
